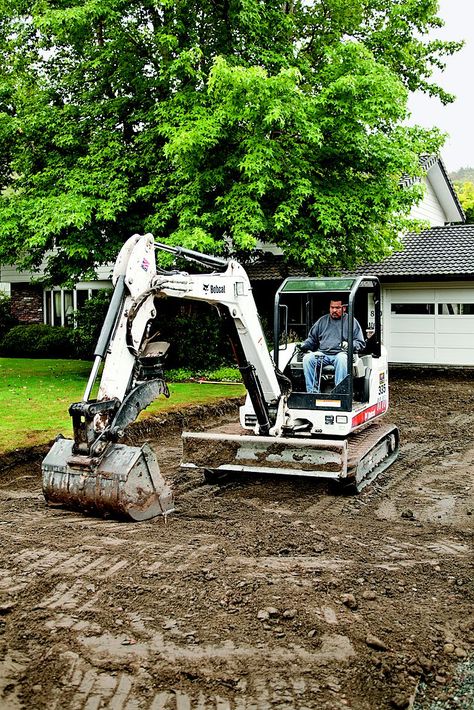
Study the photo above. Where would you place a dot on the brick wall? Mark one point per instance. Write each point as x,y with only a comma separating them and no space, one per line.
27,303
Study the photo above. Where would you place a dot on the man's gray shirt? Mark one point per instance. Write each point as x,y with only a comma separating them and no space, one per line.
326,335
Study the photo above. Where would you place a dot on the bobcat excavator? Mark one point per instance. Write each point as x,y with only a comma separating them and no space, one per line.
333,433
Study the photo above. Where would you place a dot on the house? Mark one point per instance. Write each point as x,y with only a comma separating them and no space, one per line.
427,289
33,303
428,297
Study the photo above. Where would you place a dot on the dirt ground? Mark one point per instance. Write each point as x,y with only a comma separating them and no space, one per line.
263,593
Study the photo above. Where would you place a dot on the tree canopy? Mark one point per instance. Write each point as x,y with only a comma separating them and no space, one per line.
465,191
214,124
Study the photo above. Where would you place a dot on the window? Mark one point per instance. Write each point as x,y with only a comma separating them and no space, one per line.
60,304
57,307
456,309
68,308
413,309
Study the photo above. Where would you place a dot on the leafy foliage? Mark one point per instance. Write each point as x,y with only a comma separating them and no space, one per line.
38,341
7,321
196,336
88,323
462,175
465,191
222,374
212,124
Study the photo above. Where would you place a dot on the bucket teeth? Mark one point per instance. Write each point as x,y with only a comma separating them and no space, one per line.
126,482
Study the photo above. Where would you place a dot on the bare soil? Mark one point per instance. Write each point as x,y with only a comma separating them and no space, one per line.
261,593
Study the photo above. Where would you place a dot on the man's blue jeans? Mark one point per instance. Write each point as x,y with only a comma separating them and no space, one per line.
312,363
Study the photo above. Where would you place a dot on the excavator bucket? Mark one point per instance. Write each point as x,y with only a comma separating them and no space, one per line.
125,483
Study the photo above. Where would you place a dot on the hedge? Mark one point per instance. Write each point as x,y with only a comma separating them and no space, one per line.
38,341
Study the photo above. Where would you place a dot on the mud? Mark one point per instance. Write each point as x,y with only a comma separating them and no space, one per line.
260,593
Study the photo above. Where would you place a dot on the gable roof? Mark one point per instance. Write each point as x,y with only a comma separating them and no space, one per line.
444,188
272,267
436,173
439,251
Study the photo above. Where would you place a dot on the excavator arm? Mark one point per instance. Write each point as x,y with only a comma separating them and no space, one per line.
93,470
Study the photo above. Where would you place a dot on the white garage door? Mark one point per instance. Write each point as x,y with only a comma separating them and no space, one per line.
430,325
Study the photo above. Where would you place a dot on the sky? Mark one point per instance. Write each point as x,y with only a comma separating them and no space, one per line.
456,119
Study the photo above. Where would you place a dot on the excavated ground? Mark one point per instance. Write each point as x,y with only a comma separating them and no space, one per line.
265,593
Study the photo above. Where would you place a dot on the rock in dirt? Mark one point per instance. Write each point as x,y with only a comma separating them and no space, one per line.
369,595
349,600
6,609
400,702
271,611
375,642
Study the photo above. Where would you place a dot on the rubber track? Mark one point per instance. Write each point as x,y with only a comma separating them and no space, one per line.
360,446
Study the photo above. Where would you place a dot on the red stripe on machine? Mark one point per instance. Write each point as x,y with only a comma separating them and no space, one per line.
369,413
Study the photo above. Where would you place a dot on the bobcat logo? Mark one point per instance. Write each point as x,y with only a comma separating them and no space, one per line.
205,288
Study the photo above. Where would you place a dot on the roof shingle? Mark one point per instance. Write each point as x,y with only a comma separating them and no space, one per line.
439,251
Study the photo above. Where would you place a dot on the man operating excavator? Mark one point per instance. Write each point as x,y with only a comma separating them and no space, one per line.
326,344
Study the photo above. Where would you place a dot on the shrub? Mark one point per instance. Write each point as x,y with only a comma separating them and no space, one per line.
89,322
38,341
197,338
224,374
179,375
7,321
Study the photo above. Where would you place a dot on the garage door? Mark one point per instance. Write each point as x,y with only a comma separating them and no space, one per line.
430,325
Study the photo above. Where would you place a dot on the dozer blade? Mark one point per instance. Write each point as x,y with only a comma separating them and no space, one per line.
216,451
353,462
125,483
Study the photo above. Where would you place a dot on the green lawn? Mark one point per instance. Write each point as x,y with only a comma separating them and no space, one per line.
35,396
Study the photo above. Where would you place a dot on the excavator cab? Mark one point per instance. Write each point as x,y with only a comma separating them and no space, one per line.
299,303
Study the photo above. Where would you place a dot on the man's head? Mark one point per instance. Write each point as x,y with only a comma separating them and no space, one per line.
336,309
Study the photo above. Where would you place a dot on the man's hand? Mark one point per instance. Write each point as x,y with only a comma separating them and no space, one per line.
300,348
344,346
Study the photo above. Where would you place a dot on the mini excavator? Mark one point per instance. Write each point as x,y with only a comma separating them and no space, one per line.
334,433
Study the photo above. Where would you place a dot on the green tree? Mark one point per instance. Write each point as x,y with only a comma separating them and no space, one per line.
465,191
213,124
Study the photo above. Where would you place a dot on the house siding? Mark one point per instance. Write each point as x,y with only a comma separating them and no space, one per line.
10,274
430,209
